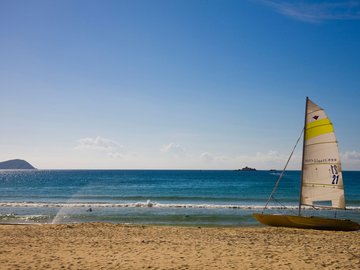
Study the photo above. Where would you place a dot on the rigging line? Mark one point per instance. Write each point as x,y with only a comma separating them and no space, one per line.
276,200
283,171
283,205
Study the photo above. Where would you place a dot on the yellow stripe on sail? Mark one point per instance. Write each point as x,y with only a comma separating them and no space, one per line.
320,122
318,128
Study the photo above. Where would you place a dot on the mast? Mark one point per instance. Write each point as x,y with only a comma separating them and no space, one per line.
303,156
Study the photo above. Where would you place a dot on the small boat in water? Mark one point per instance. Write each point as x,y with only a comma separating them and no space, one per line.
321,177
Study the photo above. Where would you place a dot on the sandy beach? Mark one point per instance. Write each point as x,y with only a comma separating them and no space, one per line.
108,246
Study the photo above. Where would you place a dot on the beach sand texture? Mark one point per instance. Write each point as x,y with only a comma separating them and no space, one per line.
109,246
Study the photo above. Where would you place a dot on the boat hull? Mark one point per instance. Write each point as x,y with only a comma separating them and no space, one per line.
317,223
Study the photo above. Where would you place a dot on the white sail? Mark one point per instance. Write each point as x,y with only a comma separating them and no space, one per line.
322,181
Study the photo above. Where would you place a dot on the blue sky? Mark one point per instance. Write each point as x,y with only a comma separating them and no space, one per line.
175,84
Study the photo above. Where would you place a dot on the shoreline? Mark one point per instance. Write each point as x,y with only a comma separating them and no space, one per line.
120,246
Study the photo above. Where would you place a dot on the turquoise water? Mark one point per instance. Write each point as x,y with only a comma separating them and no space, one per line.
171,197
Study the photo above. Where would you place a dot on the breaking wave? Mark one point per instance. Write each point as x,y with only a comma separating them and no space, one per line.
149,204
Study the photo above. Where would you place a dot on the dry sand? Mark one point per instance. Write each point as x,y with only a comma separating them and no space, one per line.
107,246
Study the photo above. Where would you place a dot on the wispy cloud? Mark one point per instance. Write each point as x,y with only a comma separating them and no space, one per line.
208,157
350,160
351,155
316,11
263,157
110,147
269,159
173,149
260,160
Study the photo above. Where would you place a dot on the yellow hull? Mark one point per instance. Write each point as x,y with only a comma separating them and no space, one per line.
301,222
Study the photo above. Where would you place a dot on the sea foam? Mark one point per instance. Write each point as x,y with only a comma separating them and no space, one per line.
149,204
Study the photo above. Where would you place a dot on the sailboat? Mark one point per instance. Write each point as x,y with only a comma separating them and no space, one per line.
321,183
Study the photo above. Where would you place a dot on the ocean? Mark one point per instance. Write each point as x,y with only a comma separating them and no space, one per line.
162,197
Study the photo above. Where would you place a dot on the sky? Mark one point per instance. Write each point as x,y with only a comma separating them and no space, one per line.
175,84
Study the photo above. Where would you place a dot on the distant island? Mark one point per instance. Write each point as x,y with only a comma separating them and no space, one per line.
246,169
16,164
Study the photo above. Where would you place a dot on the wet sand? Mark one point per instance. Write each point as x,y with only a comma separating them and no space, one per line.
108,246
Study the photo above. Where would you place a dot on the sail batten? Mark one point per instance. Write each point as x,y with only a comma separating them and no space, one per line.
323,185
321,168
322,143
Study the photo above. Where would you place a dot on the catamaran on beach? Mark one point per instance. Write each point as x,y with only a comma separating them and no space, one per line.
321,177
